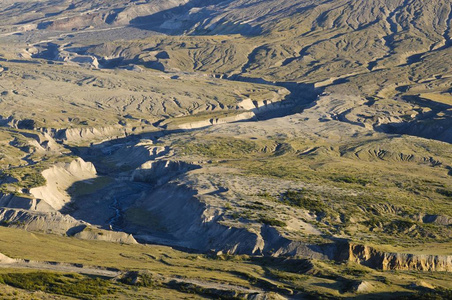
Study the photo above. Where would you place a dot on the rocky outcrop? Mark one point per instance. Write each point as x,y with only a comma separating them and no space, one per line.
161,171
18,123
437,219
50,222
87,60
77,135
42,142
216,121
363,287
20,202
263,106
132,157
422,127
276,245
57,223
377,259
59,178
8,121
90,233
177,217
6,260
47,138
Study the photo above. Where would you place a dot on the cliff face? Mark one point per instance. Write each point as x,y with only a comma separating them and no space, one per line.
18,202
216,121
77,135
161,171
60,177
376,259
50,222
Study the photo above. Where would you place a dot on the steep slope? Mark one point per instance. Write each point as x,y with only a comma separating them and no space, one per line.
297,132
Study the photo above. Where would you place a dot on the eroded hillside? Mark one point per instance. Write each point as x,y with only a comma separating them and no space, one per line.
305,145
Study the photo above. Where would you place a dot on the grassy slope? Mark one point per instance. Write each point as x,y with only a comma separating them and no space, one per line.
324,278
357,192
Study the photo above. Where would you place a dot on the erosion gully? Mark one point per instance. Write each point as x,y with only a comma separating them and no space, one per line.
106,206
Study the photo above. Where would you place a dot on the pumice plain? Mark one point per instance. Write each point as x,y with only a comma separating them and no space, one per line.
226,149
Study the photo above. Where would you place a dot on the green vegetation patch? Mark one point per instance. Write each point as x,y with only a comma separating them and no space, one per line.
351,179
90,186
143,217
72,285
136,278
221,148
437,294
303,200
272,221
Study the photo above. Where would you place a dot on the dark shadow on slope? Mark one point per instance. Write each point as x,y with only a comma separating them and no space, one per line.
104,200
302,96
96,153
305,51
180,20
48,51
435,124
104,207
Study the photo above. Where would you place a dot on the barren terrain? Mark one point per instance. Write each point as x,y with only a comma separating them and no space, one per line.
226,149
